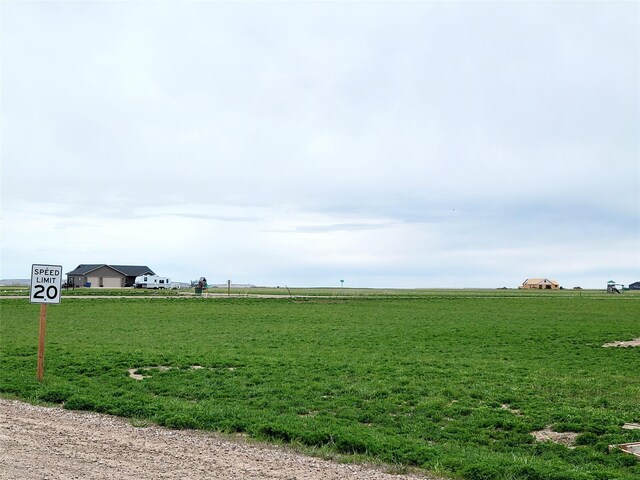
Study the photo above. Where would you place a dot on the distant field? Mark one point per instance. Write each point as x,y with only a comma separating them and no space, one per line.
321,291
452,382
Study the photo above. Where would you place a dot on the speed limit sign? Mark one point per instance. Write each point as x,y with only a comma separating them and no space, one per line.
46,282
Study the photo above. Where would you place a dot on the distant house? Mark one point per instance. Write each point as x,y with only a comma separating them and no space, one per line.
634,286
540,284
107,276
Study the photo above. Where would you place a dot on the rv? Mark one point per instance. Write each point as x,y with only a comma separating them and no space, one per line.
151,281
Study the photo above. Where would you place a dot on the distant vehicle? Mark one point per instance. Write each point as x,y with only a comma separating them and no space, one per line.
151,281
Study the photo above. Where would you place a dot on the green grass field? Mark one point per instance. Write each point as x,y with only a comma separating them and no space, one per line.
451,382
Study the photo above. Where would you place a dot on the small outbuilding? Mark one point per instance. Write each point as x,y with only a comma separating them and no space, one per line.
540,284
106,276
634,286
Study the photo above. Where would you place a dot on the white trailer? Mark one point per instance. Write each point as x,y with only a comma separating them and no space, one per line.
151,281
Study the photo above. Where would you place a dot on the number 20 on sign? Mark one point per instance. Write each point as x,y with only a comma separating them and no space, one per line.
46,282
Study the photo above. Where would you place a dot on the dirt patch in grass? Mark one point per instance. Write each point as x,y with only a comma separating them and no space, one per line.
563,438
632,448
136,375
133,373
631,426
631,343
515,411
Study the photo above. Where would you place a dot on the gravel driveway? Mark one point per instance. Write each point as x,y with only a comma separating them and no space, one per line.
53,443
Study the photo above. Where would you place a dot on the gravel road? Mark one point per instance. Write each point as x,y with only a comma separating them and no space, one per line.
53,443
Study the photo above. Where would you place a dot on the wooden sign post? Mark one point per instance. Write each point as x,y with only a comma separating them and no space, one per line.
41,335
46,282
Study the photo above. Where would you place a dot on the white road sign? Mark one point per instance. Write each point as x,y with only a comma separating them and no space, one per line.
46,283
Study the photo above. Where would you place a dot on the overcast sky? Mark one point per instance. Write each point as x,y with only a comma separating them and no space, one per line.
387,144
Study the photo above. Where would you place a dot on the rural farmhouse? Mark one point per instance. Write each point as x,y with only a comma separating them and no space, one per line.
540,284
108,276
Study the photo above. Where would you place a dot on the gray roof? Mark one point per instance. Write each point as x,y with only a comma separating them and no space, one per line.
133,270
126,270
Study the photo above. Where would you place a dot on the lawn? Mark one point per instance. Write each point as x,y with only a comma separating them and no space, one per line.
449,382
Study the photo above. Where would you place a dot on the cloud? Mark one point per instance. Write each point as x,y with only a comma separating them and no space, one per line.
404,144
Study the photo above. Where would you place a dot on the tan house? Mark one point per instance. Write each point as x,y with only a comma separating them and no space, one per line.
106,276
540,284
